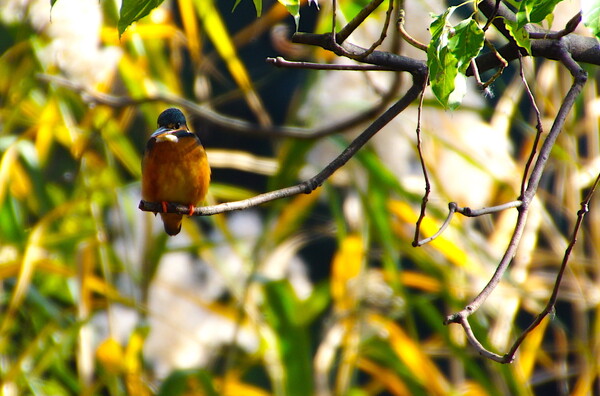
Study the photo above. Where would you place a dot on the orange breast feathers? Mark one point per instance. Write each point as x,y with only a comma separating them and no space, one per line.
175,169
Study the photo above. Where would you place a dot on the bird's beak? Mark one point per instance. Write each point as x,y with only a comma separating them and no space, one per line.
163,134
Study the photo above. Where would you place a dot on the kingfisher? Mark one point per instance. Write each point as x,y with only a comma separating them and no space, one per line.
174,168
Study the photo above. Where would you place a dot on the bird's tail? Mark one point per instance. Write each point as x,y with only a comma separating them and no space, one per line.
172,222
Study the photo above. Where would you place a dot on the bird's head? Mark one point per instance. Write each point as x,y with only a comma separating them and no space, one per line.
170,121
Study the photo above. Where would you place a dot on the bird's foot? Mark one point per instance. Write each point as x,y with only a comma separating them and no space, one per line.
164,206
192,208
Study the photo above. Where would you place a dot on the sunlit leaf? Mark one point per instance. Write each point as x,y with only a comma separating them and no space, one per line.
346,267
429,227
293,214
191,28
520,35
134,10
217,32
136,384
420,365
257,6
111,355
531,348
538,10
590,12
293,7
449,54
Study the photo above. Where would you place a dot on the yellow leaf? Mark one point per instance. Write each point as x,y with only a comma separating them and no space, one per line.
136,384
20,184
110,354
235,388
6,164
390,380
217,32
35,253
47,122
190,26
347,265
529,350
421,366
453,253
419,281
293,213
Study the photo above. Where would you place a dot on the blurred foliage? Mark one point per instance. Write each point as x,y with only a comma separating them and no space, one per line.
318,294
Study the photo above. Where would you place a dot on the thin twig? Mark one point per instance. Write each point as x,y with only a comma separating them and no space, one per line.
465,211
538,126
502,64
492,16
423,169
407,37
281,62
351,26
338,38
451,210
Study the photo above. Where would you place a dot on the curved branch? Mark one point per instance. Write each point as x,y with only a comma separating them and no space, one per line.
311,184
552,300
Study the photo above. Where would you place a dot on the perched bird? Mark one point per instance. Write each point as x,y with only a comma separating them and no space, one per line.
174,167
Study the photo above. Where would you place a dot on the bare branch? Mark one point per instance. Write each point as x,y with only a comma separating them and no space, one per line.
281,62
466,211
552,300
352,51
579,79
538,126
425,175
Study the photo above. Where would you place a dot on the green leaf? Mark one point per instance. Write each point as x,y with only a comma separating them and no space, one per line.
449,54
133,10
442,64
534,11
538,10
466,43
590,12
178,383
281,312
293,7
520,35
257,6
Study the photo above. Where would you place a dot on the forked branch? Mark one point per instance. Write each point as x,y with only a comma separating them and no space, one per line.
532,182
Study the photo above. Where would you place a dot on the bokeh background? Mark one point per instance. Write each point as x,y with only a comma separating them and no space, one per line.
316,294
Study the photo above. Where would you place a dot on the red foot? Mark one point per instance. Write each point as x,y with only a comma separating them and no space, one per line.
191,208
164,206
